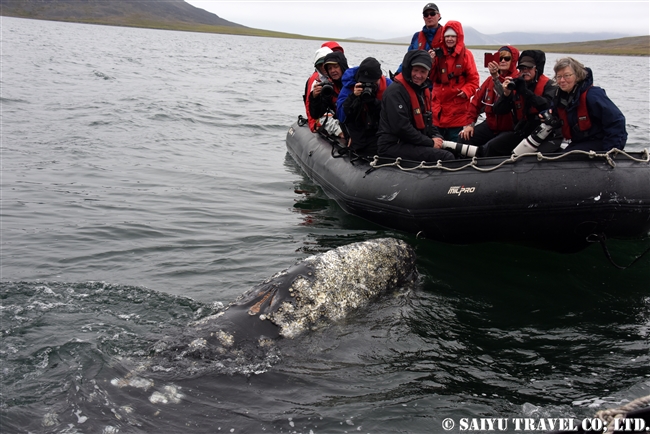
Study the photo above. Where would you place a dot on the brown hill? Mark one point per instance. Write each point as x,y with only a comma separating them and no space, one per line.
149,13
632,46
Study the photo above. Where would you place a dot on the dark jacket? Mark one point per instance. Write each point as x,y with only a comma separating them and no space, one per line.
360,114
319,105
607,122
397,122
533,103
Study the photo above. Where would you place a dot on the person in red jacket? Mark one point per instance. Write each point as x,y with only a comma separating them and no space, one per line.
483,101
455,80
318,76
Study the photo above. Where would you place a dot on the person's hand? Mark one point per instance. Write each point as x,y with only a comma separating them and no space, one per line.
493,67
506,82
437,142
432,53
317,89
467,132
461,94
358,88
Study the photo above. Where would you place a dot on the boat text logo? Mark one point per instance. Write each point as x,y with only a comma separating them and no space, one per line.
460,189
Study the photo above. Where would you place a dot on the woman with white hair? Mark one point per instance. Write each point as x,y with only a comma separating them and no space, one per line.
590,120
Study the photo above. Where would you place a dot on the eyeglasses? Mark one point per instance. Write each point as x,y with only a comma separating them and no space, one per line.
506,58
430,14
563,77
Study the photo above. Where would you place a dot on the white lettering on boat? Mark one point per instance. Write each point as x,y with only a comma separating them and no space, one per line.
460,189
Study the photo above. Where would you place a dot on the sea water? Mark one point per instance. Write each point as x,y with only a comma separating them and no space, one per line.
145,184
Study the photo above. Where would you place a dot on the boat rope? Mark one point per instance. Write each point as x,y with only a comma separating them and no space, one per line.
602,239
610,415
609,156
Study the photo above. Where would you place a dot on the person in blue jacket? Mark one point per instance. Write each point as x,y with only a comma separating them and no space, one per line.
430,37
590,120
358,106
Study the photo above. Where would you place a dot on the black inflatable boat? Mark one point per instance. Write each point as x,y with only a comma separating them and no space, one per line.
558,202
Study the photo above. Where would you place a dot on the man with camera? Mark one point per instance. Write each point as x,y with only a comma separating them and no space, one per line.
359,105
405,125
525,97
323,97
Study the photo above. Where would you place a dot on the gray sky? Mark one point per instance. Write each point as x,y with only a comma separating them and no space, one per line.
390,19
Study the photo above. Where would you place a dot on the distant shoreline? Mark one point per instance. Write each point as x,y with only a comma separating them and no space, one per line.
630,46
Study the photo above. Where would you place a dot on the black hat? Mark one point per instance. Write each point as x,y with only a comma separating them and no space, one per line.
422,59
527,61
369,70
431,6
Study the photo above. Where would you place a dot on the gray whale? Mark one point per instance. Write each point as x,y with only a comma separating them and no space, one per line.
322,287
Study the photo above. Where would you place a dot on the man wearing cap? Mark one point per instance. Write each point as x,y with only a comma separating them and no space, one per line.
318,76
322,99
532,94
455,81
405,127
359,105
430,37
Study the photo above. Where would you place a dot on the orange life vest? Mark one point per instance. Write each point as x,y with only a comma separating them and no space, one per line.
415,102
436,42
439,72
584,122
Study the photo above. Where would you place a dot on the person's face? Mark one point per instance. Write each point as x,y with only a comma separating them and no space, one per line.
505,60
566,79
334,70
450,41
431,18
527,73
419,74
321,69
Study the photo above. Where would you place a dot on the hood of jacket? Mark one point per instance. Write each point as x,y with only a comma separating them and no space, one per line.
540,60
338,57
333,45
460,41
415,56
513,71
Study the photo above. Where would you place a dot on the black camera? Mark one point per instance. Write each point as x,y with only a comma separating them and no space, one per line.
369,91
519,81
327,89
549,119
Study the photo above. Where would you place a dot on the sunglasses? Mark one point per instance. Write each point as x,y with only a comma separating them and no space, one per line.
429,14
506,58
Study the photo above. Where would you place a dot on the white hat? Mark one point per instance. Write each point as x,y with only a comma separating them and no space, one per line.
320,55
450,32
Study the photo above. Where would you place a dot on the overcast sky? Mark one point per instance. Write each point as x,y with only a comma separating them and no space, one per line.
391,19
